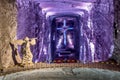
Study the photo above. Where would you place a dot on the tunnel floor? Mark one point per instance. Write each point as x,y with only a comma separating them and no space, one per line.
107,65
64,74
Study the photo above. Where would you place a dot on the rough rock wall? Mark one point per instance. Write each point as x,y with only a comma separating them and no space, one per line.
116,54
8,26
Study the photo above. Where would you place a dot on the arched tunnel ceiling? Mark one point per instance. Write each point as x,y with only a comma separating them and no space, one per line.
52,7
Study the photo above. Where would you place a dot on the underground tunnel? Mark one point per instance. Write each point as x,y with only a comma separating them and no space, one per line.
75,34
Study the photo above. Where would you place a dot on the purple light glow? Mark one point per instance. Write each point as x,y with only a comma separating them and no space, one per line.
96,27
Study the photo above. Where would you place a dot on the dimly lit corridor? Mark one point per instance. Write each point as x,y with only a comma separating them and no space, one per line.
65,39
67,30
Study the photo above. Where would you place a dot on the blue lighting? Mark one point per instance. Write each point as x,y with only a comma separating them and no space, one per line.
65,28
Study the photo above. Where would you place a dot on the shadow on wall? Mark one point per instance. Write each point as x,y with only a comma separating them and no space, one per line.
14,54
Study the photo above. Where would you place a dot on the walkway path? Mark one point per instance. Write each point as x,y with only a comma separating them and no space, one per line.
64,74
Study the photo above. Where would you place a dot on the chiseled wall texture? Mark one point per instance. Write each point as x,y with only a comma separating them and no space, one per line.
116,54
8,26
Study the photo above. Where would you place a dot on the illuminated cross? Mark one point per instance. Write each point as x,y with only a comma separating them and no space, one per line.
64,29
